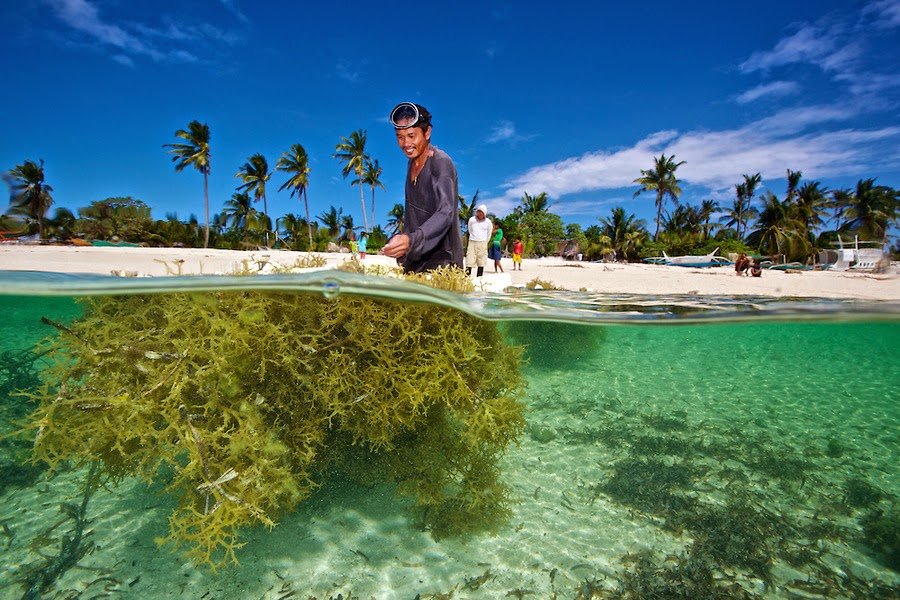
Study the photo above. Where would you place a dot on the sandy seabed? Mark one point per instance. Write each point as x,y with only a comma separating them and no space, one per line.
613,278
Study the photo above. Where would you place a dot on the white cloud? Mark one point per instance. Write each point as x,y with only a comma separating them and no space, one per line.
137,38
232,7
505,131
810,44
715,160
123,59
885,12
774,88
837,47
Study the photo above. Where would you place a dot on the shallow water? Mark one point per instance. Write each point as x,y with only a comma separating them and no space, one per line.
666,438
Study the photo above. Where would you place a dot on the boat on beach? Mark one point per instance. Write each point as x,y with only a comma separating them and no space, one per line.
858,255
691,260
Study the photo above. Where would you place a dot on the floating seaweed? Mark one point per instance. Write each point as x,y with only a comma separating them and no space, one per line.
249,400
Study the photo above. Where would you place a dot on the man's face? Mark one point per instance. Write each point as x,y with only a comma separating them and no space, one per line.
413,141
479,215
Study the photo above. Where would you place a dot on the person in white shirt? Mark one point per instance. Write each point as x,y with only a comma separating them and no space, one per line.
480,229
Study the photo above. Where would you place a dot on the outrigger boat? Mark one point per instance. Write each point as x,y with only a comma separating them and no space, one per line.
690,260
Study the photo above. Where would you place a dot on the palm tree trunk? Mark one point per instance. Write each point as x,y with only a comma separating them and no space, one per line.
206,204
308,222
266,213
362,202
373,209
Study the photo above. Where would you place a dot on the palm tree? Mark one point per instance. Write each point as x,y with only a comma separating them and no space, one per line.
617,226
776,229
535,204
466,209
661,179
870,209
62,225
30,194
349,227
812,202
372,178
793,182
750,184
707,208
255,174
292,226
352,152
238,211
395,219
194,152
296,161
332,220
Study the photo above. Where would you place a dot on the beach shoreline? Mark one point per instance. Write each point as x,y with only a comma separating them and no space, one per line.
613,278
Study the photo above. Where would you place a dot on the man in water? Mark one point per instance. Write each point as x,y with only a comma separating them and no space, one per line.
431,238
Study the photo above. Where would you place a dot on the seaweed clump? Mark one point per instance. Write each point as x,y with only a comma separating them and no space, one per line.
881,533
248,400
691,577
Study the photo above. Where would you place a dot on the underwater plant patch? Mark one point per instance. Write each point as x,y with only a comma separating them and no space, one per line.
243,402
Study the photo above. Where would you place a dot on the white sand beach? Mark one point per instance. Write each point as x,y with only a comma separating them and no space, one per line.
614,278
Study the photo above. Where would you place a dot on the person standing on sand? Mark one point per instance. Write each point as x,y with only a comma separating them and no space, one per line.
494,252
480,228
431,238
518,249
361,245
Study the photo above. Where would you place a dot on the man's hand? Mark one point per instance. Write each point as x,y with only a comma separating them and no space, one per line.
397,247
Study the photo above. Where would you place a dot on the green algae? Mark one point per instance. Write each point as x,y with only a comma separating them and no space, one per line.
247,401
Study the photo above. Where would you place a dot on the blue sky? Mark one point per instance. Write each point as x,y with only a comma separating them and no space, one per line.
572,99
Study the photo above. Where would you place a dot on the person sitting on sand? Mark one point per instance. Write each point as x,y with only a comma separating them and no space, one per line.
756,269
742,264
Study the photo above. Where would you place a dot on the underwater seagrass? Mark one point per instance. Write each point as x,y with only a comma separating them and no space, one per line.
242,401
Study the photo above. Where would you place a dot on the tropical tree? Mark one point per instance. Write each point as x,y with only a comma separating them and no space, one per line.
255,174
194,152
296,162
466,210
348,226
124,217
811,205
535,204
30,194
793,184
660,179
331,219
238,212
869,210
707,208
395,218
747,212
293,228
372,178
776,228
617,226
63,223
352,152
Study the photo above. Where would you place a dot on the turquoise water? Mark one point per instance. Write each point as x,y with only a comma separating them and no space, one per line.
728,448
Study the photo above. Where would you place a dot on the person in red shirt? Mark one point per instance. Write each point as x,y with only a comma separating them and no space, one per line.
517,250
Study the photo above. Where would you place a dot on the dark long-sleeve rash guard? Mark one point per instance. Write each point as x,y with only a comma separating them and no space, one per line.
431,218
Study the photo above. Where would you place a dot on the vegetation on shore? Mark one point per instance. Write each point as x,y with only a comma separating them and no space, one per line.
807,219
